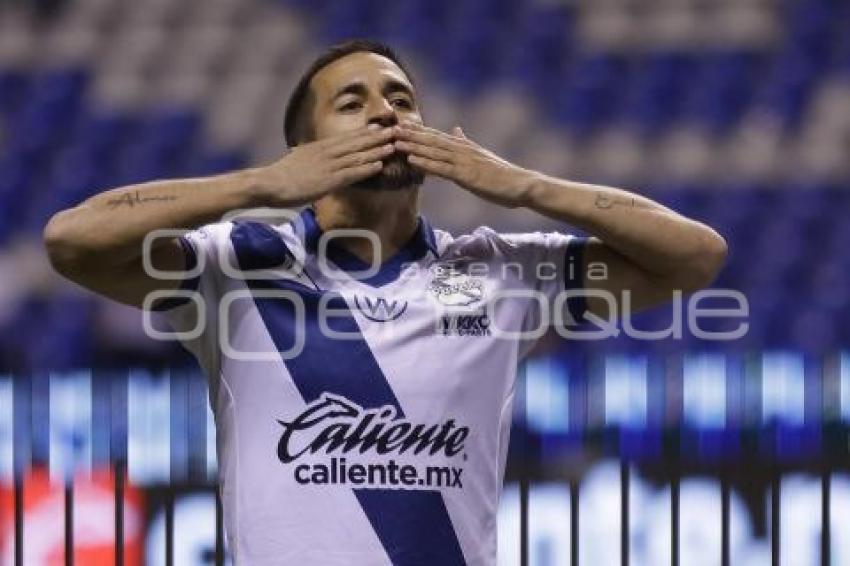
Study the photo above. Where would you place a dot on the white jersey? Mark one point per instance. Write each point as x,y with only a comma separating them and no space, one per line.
364,418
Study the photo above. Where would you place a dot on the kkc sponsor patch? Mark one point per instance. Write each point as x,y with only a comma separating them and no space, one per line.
475,324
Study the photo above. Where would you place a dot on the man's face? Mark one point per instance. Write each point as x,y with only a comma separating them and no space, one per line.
362,89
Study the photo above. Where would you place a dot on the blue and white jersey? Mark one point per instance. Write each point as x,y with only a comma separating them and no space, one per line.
363,418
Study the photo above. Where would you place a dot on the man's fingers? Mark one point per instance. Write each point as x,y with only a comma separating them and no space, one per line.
363,138
356,173
434,153
427,136
415,126
439,168
361,157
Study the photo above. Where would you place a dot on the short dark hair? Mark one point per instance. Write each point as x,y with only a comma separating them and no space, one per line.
333,53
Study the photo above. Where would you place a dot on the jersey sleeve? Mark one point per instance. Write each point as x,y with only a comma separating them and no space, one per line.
191,312
551,265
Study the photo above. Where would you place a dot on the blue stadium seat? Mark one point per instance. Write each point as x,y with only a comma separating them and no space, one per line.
171,129
723,88
53,101
211,163
105,132
538,56
591,94
809,26
63,339
659,90
355,18
468,59
413,25
13,86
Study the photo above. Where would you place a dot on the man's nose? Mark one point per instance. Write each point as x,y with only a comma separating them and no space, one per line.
383,114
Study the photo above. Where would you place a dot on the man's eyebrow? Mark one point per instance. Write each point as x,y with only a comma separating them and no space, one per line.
351,88
394,85
359,88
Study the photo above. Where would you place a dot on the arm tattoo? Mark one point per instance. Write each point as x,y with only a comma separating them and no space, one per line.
604,201
134,198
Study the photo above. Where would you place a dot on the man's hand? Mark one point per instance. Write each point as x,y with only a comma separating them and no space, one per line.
316,168
458,159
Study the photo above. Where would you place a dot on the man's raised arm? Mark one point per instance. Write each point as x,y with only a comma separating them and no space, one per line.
647,250
98,244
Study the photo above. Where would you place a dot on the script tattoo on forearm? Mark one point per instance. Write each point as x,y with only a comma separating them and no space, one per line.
133,199
604,201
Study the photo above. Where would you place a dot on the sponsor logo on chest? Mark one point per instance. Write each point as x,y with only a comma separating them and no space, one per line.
332,430
379,309
476,324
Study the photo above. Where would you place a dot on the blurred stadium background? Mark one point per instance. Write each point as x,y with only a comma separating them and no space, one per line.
735,112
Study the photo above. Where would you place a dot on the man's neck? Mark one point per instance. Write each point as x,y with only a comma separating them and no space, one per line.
391,215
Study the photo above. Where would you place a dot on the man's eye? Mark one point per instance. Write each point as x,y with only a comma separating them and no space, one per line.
353,105
402,103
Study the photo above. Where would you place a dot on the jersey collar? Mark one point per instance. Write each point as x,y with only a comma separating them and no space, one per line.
420,243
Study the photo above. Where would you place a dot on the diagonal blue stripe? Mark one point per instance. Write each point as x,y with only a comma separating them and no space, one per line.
397,514
413,526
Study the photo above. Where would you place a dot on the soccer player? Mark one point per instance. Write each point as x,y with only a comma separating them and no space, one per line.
362,363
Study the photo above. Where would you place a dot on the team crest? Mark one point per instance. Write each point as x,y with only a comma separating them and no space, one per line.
452,287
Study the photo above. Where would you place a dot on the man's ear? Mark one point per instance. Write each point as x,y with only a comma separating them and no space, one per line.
302,133
304,130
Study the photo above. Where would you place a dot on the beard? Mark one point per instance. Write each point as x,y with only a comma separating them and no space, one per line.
397,174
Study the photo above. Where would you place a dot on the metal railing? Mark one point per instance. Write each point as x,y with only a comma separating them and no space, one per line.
758,455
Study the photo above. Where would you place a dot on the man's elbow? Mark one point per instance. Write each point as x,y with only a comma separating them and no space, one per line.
706,262
65,252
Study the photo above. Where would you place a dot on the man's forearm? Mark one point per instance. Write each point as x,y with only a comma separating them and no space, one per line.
650,235
112,225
